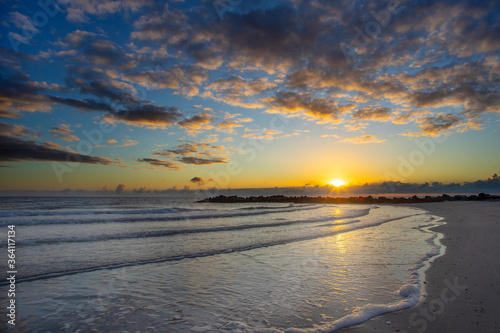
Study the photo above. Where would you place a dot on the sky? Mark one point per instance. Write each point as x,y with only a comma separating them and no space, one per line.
104,95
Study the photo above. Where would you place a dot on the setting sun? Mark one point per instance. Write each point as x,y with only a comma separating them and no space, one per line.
336,182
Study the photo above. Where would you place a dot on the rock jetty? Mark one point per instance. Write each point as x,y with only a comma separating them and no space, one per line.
351,200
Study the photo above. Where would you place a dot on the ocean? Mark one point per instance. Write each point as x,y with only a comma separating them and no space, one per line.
153,264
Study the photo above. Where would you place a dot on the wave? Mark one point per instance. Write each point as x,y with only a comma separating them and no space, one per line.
331,232
186,215
273,207
172,232
98,212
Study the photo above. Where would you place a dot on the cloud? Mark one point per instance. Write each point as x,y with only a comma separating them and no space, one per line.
120,188
80,11
186,79
88,78
9,114
202,161
63,132
263,134
147,115
437,125
78,38
22,22
18,93
372,113
105,53
7,129
196,123
15,150
197,153
362,139
238,91
83,105
160,163
228,126
305,104
197,180
198,148
128,143
167,24
433,67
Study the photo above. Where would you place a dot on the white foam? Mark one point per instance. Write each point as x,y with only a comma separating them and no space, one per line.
410,295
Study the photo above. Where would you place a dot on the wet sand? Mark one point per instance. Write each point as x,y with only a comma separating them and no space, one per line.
462,286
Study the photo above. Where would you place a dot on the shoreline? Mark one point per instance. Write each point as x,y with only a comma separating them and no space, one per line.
462,287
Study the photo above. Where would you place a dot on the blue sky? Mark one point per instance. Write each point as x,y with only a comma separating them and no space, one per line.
158,95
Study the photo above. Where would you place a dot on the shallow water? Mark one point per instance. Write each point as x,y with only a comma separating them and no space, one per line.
181,267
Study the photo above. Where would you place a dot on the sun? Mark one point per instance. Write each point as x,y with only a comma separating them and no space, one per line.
336,182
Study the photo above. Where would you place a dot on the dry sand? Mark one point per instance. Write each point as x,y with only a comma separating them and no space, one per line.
463,286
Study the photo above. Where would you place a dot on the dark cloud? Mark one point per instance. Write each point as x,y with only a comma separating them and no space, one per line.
197,153
18,93
169,25
186,79
105,53
104,89
120,188
15,150
197,180
238,91
141,190
197,122
83,11
147,115
492,183
9,114
84,105
202,161
160,163
7,129
323,109
377,114
191,148
437,124
268,39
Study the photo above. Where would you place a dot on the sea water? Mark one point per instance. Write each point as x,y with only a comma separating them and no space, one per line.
171,265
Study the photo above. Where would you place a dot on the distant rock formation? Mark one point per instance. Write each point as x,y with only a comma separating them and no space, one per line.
351,200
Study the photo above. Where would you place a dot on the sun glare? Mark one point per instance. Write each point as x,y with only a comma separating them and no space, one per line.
336,182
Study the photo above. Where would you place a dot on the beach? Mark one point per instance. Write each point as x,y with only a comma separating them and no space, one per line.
463,285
